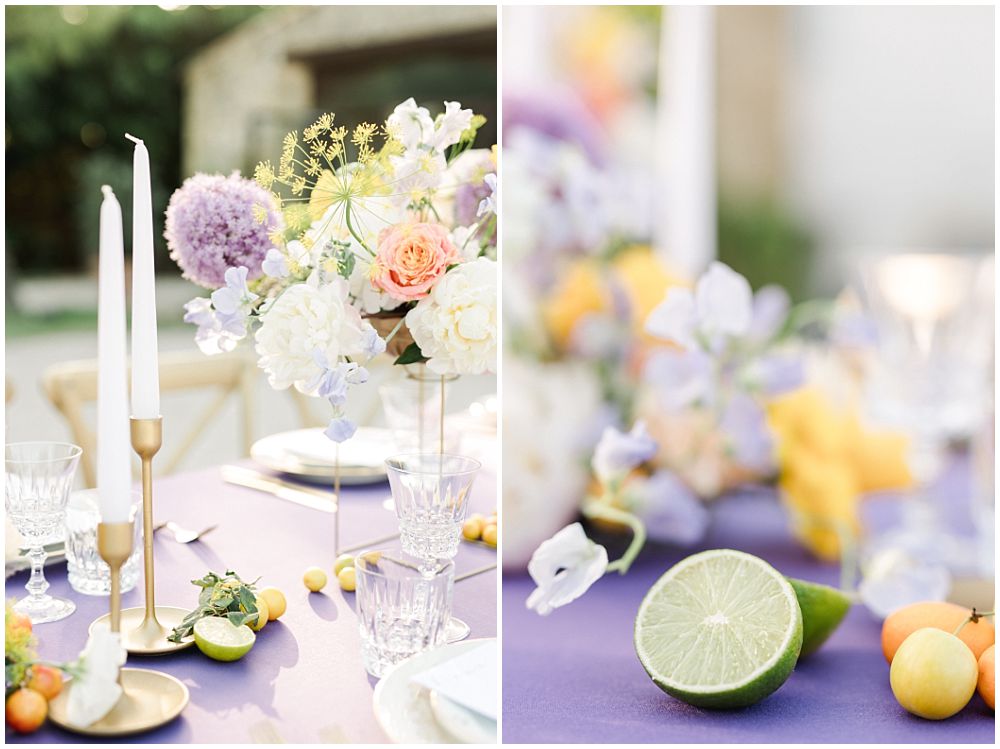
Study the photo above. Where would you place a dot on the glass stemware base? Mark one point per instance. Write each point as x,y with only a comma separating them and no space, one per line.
44,608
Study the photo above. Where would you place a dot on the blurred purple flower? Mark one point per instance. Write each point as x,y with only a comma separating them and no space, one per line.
617,453
211,227
777,373
745,424
770,310
488,204
275,265
340,429
682,377
671,511
372,344
235,293
217,331
559,113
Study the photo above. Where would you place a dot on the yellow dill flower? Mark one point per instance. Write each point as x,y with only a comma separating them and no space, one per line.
493,155
363,134
313,166
325,121
259,213
263,174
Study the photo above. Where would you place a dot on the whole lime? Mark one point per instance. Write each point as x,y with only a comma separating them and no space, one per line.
823,609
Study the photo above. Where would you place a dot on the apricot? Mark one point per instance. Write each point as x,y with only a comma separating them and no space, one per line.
987,676
26,710
46,680
903,622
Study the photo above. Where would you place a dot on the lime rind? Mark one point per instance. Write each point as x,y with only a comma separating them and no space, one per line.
688,656
823,609
221,640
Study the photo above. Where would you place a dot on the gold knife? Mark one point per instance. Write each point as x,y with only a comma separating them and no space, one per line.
282,490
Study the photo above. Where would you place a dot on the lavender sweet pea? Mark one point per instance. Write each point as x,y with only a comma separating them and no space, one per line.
618,452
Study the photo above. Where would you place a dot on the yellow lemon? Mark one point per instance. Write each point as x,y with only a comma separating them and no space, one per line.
262,614
472,528
314,579
344,560
347,578
490,535
933,674
276,603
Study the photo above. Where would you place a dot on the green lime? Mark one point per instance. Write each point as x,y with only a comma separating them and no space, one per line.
719,629
219,638
823,609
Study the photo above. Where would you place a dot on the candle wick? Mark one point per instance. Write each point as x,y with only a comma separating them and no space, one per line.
108,192
132,138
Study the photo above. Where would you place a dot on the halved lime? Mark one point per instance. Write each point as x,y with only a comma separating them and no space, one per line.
719,629
823,609
219,638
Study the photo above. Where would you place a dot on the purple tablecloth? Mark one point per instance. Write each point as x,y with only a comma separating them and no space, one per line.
303,681
574,677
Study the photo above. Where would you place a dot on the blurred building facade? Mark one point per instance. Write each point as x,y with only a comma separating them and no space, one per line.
279,70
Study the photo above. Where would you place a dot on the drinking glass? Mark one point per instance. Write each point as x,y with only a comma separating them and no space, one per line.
402,606
431,495
38,480
414,411
929,377
88,573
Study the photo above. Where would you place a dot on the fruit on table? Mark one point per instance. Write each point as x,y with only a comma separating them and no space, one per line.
903,622
933,674
263,614
19,621
276,603
46,680
347,579
987,676
472,528
693,625
823,609
26,710
315,579
219,638
344,560
490,534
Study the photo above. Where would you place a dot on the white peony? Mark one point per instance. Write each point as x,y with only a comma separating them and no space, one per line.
95,685
455,326
304,319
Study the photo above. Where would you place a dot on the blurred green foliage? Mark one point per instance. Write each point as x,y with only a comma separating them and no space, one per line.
760,240
77,78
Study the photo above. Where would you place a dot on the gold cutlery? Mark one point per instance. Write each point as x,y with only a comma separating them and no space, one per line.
251,479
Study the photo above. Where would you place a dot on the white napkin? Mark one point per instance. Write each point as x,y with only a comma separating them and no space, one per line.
469,679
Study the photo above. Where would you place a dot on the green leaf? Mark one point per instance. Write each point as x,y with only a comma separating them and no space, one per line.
411,355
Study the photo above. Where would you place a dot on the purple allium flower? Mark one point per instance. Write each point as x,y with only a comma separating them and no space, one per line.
211,227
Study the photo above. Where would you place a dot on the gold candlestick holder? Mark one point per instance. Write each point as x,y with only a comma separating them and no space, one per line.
149,699
145,629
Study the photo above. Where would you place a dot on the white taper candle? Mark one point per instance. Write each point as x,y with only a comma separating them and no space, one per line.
114,452
145,364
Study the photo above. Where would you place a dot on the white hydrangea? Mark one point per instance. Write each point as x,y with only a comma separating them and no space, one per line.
456,325
304,319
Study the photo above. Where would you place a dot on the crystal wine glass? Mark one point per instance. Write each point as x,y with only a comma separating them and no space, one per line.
431,495
930,374
38,481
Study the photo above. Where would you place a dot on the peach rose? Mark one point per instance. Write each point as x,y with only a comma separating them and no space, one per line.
411,258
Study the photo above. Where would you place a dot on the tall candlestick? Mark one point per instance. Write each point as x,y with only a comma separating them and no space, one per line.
114,477
145,365
685,160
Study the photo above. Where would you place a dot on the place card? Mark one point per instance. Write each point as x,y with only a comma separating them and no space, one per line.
469,679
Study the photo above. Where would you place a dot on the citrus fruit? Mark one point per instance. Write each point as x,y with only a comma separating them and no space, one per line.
823,609
472,528
46,680
344,560
490,534
276,603
903,622
933,674
314,579
26,710
721,628
219,638
263,614
347,579
987,676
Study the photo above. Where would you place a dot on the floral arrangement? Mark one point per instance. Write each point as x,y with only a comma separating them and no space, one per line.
722,403
373,245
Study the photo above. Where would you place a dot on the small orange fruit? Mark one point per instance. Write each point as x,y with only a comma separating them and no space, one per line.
46,680
26,710
903,622
987,676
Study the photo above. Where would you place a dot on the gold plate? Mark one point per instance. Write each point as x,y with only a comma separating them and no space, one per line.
151,699
154,642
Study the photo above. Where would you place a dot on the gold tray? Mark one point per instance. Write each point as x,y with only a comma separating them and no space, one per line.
151,699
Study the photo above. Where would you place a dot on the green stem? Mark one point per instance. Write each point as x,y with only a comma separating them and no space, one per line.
395,330
350,227
602,510
974,617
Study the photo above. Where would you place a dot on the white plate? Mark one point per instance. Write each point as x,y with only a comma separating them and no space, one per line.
309,455
403,708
